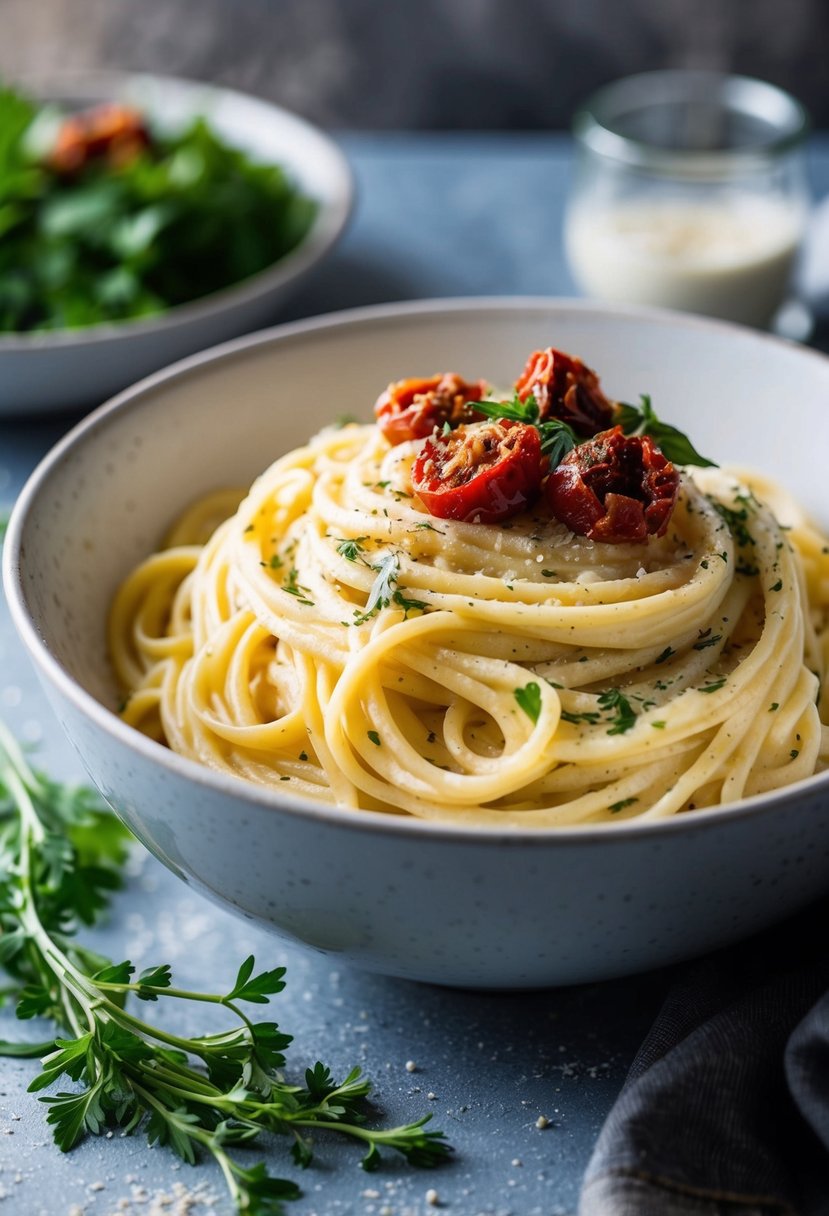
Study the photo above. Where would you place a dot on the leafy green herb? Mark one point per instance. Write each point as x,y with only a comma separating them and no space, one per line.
615,807
778,586
529,699
388,572
589,716
351,549
658,725
62,855
714,686
704,641
616,703
735,518
775,705
794,753
294,588
431,527
187,216
666,654
635,420
374,737
275,562
408,605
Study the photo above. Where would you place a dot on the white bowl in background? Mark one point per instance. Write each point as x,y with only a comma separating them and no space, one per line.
477,907
62,369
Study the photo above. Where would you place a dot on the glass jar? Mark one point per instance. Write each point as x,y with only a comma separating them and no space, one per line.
689,193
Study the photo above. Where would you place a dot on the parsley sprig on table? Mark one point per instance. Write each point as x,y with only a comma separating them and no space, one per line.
61,854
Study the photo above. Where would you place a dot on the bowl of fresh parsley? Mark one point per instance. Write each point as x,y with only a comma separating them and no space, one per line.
143,218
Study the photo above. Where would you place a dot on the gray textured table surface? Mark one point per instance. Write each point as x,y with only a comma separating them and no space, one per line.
437,216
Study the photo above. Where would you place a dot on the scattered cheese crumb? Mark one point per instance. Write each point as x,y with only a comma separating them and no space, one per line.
432,1197
431,1097
517,1161
542,1121
411,1066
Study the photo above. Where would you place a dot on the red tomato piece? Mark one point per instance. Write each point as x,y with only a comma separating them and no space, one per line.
411,409
479,473
615,488
114,132
566,389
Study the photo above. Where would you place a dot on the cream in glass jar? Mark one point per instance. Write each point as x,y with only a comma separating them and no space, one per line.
689,194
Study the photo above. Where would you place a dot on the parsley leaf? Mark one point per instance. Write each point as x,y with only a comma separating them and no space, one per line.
408,605
623,714
351,549
615,807
529,698
295,588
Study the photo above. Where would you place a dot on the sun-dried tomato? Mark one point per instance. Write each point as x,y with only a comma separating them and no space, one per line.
116,133
411,409
564,388
615,488
480,473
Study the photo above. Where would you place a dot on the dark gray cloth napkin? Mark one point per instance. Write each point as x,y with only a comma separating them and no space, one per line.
725,1111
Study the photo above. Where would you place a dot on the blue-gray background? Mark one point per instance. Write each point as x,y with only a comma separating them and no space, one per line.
425,64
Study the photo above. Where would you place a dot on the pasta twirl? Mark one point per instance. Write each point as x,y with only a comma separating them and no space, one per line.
332,636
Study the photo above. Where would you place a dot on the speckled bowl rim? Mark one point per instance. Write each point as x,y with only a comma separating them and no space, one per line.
138,395
326,229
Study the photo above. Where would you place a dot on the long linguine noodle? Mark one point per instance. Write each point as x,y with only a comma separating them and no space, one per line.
331,639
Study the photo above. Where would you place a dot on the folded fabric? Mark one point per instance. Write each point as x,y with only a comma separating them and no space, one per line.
725,1111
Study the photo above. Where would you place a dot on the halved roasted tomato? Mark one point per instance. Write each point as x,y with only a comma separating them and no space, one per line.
614,488
479,473
565,388
411,409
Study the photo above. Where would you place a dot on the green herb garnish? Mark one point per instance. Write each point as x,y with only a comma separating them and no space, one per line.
623,714
388,571
615,807
706,641
351,549
676,446
62,858
295,588
529,699
735,518
590,717
408,605
715,686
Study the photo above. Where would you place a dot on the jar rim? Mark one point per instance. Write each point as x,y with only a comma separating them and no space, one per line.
596,122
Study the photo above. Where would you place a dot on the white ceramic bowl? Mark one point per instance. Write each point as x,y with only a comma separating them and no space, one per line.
484,908
68,368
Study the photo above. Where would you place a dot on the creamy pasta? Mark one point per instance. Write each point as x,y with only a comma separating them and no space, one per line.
332,639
